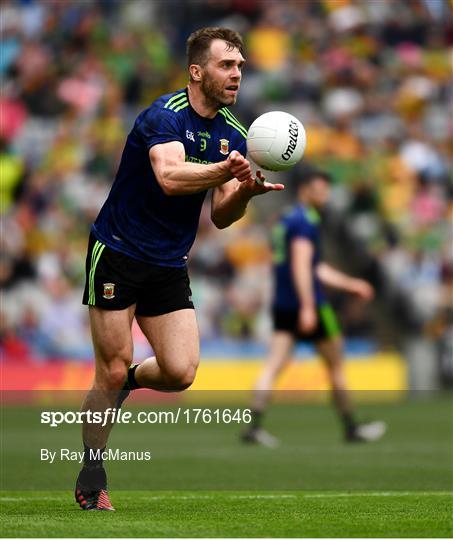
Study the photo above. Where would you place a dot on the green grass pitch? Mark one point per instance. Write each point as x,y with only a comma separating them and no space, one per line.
233,514
201,482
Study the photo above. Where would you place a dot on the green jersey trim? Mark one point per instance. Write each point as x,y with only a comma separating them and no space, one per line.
180,103
182,106
95,256
233,123
312,216
177,97
234,119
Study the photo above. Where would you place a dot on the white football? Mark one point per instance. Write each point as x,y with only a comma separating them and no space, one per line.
276,141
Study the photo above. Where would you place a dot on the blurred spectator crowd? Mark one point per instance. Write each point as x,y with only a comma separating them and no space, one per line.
370,80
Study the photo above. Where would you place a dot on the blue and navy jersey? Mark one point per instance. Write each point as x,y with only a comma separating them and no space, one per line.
138,219
299,222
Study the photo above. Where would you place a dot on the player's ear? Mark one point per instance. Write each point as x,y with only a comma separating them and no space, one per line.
195,72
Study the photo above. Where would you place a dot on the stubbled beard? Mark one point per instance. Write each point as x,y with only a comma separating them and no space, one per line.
213,94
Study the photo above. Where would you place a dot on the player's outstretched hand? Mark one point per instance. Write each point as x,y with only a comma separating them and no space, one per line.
239,166
260,180
258,185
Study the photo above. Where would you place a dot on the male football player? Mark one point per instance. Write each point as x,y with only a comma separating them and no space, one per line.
184,144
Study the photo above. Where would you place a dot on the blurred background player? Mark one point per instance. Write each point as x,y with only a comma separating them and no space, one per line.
183,144
300,309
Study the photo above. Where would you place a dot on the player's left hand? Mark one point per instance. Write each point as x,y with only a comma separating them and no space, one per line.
258,185
363,289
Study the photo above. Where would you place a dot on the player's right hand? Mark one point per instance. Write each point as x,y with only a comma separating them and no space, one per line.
239,166
308,320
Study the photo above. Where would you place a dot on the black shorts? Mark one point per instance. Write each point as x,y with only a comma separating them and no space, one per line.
327,327
116,281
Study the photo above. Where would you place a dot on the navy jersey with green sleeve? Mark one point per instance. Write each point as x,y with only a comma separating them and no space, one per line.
299,222
138,219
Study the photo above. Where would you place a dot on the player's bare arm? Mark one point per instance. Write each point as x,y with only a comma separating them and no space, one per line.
229,200
178,177
332,277
301,258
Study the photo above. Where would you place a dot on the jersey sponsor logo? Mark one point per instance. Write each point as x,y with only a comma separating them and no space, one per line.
109,291
293,134
205,134
224,146
193,159
189,135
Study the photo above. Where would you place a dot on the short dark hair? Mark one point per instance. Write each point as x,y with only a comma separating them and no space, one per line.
199,42
308,175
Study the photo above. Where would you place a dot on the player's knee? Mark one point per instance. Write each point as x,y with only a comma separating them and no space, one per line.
179,384
113,376
186,381
182,378
117,376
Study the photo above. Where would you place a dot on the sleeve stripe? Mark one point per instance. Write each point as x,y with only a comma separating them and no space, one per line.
176,97
182,106
178,102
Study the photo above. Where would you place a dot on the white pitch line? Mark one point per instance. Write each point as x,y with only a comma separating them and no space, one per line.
31,498
197,497
261,496
163,497
179,497
378,494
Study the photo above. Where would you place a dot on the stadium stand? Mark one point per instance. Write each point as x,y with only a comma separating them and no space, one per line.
370,81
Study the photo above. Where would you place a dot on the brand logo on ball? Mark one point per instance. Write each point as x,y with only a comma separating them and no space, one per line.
293,134
224,146
109,291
